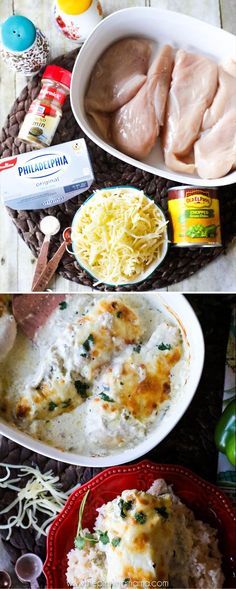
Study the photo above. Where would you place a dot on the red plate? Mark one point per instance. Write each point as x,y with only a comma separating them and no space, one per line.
207,502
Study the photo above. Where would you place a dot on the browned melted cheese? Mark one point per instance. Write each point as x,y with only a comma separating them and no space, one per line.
142,398
140,542
145,547
125,321
123,329
63,395
136,574
23,408
43,392
102,340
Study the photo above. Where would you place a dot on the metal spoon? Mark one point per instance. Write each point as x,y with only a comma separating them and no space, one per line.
49,226
28,568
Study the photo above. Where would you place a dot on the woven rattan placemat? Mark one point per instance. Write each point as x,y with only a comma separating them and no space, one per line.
109,171
190,444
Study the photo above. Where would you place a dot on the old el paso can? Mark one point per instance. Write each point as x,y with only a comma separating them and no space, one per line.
195,216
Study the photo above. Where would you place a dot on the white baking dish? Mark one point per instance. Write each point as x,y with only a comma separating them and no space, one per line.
161,26
180,310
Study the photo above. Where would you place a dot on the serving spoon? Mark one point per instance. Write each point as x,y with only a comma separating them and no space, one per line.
31,311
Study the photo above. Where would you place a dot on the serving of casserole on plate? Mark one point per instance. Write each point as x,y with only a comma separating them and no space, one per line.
143,523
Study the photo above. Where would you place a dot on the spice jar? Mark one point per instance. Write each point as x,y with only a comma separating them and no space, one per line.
45,112
24,48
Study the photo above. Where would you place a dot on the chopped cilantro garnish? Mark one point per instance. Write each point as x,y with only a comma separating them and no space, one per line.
137,348
124,507
66,403
79,542
52,405
81,388
162,511
105,397
91,537
119,314
163,347
126,581
115,541
104,538
62,305
87,345
127,416
140,517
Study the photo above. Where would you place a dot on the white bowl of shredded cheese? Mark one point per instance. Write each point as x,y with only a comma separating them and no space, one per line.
119,236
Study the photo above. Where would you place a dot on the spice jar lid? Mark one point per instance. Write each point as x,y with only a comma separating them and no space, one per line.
18,33
74,6
57,73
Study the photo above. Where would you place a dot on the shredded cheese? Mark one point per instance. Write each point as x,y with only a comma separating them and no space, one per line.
118,234
40,494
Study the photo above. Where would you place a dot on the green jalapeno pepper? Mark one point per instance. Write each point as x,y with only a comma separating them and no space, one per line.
225,432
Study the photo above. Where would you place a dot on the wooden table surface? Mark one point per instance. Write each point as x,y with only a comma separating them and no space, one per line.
16,261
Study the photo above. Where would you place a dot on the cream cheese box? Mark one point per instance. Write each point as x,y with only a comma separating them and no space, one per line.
46,177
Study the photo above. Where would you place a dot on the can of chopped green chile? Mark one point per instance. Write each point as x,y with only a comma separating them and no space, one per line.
195,216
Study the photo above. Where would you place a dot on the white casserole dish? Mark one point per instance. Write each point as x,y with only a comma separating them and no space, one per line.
181,312
161,26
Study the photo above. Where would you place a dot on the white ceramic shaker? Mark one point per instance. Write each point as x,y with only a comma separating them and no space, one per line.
76,19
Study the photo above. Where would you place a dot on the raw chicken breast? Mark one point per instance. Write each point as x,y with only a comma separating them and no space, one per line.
118,75
161,71
102,122
224,100
136,125
229,65
193,87
215,151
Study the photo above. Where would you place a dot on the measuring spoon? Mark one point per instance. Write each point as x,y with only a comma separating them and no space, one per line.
49,226
5,580
49,270
28,568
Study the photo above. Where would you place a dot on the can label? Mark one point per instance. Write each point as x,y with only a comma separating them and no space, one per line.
195,216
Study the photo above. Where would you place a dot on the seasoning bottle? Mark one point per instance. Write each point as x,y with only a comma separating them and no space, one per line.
77,18
24,48
45,112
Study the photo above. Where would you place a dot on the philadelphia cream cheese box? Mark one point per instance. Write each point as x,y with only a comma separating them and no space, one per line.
46,177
